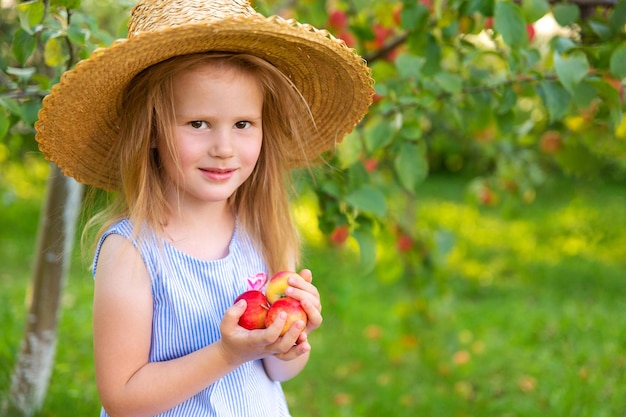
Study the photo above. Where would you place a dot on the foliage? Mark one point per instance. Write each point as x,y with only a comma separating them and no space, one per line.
39,40
509,93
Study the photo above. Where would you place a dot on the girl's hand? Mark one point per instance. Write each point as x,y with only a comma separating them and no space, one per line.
308,295
240,345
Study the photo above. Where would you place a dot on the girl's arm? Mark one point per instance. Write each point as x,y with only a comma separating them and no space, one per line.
284,366
128,384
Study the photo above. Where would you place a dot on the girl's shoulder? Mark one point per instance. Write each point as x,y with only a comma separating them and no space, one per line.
126,229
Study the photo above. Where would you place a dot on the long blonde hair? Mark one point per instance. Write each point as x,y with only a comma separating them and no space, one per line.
261,202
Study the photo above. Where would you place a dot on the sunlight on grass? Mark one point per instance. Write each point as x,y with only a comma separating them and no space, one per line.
573,230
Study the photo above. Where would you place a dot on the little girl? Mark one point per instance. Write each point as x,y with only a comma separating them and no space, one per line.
195,121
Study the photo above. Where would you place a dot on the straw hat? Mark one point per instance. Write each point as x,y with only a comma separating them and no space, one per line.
79,119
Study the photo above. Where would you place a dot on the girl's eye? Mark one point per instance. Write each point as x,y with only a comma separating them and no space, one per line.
242,124
198,124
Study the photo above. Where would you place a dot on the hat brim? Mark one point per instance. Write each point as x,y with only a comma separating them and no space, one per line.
78,121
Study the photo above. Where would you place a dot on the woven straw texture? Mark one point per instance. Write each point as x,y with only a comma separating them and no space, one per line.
78,121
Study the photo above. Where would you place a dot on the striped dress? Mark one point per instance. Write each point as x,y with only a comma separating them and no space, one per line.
190,298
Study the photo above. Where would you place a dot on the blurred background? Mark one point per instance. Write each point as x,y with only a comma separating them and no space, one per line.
469,240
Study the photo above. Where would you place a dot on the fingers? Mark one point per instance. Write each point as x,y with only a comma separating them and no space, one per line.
299,287
233,313
307,275
294,352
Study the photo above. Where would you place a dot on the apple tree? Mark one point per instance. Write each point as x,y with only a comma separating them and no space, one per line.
507,93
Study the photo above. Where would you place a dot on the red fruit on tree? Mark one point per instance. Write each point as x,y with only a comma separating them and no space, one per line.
291,307
381,34
340,234
404,243
530,30
370,164
347,37
338,20
397,15
550,142
486,196
256,310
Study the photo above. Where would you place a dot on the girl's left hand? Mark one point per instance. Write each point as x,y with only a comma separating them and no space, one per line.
308,295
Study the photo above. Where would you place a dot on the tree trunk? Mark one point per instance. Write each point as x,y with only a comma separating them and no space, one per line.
54,249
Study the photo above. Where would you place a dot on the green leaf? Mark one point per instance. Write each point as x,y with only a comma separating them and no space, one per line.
449,82
368,199
556,99
509,22
23,46
350,149
484,7
414,16
508,99
380,135
411,129
24,74
410,66
53,52
30,110
602,29
67,4
618,16
584,95
367,248
566,14
11,105
571,69
535,9
618,61
5,123
411,165
77,35
611,98
31,14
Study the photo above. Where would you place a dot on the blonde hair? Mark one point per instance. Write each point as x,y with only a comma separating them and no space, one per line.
261,202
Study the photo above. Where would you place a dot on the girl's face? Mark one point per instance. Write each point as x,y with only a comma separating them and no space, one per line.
218,132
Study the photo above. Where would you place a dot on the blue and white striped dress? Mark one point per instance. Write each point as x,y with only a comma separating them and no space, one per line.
190,298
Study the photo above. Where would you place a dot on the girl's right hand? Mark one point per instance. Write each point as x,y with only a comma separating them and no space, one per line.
241,345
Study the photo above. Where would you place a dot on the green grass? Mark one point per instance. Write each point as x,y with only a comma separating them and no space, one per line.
525,319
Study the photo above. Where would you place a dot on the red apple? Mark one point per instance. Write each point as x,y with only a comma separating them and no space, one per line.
256,310
550,142
340,234
277,285
370,164
530,30
338,19
294,311
404,243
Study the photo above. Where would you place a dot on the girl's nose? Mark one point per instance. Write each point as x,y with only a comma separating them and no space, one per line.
221,144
